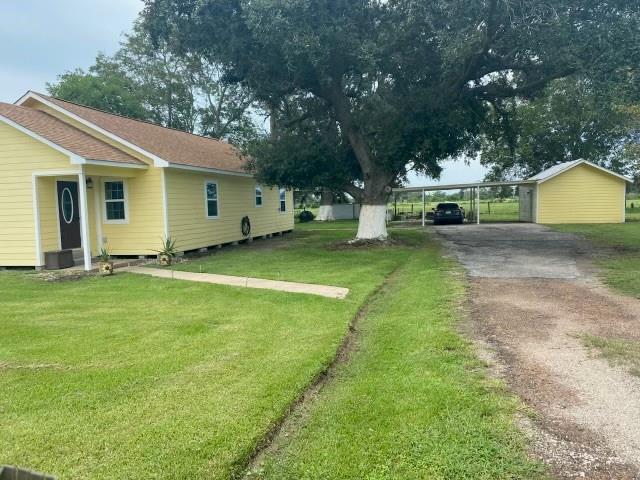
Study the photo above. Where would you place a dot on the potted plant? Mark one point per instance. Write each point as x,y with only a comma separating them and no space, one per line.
168,251
106,265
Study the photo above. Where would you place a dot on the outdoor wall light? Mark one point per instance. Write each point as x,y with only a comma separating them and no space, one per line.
89,182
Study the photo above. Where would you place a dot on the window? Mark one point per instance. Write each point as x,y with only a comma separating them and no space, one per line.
283,200
258,196
115,209
211,194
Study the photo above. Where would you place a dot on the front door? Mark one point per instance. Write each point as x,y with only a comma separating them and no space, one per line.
69,215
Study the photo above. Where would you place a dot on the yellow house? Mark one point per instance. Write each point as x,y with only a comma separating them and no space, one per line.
574,192
72,177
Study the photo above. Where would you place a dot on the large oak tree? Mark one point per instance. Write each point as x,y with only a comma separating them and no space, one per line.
397,84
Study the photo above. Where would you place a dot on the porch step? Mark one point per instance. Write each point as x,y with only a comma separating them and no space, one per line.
78,256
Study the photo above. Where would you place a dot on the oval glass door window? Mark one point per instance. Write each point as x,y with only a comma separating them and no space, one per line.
67,205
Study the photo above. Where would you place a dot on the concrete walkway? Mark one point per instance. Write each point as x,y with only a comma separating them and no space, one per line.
247,282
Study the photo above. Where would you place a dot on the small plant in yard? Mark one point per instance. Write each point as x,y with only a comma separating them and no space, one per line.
106,265
168,251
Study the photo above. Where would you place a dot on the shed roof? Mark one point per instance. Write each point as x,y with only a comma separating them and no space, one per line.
551,172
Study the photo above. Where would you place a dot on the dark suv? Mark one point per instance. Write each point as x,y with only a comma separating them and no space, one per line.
448,213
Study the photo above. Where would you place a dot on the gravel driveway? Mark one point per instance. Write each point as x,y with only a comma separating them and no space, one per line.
534,295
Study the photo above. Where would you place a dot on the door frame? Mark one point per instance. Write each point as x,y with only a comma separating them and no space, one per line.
83,205
55,191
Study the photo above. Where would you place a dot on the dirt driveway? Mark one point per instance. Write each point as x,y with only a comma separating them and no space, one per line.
534,296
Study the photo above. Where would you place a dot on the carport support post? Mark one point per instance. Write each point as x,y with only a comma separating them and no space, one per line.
478,204
424,206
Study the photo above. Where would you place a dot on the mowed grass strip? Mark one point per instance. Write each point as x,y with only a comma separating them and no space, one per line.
412,402
136,377
620,261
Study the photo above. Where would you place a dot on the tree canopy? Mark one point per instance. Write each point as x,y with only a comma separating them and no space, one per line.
381,87
572,119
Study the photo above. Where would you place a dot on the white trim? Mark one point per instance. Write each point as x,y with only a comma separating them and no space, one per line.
157,161
207,181
96,211
36,218
106,221
84,221
585,162
280,190
55,173
75,159
255,196
73,207
165,202
624,204
537,192
107,163
57,204
209,170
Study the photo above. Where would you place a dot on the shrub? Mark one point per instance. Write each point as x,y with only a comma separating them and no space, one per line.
306,216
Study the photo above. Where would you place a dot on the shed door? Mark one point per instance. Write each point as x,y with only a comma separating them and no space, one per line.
69,215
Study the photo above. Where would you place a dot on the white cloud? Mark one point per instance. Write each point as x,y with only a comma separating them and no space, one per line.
453,171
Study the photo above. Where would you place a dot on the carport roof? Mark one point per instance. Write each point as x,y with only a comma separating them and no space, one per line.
539,178
459,186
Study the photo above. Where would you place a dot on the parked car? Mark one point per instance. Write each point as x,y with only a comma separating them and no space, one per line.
448,213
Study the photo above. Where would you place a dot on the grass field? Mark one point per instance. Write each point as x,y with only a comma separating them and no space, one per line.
412,402
136,377
621,261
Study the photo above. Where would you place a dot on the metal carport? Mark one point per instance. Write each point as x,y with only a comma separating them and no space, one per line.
473,187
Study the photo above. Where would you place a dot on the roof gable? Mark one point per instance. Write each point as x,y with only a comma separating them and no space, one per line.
560,168
62,136
166,146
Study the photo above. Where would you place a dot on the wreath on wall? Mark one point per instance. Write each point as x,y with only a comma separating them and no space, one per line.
245,226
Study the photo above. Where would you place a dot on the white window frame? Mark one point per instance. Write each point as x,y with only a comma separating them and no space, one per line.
255,196
206,199
280,190
104,200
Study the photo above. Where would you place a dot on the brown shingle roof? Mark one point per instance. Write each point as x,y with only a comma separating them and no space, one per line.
174,146
64,135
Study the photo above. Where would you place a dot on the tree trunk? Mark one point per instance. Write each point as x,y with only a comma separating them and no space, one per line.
372,224
326,206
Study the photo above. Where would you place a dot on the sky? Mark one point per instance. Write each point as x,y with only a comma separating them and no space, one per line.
41,39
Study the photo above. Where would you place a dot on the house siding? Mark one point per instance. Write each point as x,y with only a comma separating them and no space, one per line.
191,229
583,194
20,156
144,229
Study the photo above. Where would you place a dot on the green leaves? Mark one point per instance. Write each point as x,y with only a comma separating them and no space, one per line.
154,81
407,83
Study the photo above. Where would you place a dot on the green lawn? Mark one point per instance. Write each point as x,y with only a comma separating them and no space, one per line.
412,402
137,377
620,262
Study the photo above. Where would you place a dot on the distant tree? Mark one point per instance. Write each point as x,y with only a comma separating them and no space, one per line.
408,82
106,86
150,81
